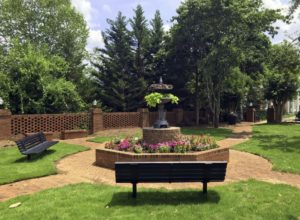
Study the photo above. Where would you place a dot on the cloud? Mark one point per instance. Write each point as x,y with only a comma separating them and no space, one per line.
167,27
84,7
106,8
95,39
286,31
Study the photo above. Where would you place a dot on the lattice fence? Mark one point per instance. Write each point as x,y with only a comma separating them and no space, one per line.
121,119
21,124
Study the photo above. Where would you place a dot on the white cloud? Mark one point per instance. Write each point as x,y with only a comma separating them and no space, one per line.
106,8
286,30
95,40
167,27
84,7
95,37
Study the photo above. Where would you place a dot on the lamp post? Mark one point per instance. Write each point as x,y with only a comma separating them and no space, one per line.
95,103
1,103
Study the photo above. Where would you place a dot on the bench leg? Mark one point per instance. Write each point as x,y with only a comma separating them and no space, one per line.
205,188
133,190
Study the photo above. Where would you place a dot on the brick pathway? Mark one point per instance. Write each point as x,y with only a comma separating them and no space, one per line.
79,168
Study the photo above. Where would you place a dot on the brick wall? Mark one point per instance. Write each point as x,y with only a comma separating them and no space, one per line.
94,120
21,124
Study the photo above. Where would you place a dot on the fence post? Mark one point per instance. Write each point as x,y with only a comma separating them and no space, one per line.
144,117
5,124
96,120
178,116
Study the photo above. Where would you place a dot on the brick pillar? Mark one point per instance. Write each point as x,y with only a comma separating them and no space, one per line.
5,124
96,120
178,116
271,115
144,119
250,115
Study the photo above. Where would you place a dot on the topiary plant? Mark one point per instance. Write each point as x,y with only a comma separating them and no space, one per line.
155,98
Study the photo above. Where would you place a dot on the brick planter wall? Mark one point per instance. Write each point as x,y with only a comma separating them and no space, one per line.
48,135
107,158
72,134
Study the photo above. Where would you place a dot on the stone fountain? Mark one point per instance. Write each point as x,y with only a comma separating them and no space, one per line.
161,131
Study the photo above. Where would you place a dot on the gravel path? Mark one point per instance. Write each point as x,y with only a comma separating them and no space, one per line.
79,168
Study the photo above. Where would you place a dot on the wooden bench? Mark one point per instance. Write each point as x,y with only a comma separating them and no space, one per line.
34,144
159,172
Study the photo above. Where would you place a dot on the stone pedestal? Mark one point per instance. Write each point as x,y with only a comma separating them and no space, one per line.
154,135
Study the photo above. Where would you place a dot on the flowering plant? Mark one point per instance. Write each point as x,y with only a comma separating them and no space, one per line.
186,144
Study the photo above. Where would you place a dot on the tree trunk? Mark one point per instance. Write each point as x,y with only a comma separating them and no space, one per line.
217,110
278,112
197,100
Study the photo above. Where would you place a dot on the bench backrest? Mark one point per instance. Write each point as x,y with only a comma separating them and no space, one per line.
30,141
190,171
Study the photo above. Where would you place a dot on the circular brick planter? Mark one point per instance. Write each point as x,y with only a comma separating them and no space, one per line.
154,135
107,158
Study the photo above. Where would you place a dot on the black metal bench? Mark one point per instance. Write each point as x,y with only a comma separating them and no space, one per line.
34,144
158,172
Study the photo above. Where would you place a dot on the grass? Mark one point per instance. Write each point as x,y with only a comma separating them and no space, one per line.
216,133
279,143
244,200
103,139
14,166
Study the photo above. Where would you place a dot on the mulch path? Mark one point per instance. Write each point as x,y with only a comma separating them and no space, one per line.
79,168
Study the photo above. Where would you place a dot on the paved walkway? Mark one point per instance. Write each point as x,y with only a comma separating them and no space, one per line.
79,168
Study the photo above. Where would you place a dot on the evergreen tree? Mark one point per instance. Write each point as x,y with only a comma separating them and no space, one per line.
116,78
155,52
140,35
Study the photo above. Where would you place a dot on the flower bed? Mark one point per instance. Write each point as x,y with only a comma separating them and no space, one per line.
185,145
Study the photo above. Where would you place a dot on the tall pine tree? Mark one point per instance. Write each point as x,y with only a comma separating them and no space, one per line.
118,83
155,52
140,35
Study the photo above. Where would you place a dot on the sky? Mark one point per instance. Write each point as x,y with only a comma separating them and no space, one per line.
96,12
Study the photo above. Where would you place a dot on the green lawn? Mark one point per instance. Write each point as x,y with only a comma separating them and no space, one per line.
278,143
244,200
217,133
103,139
14,166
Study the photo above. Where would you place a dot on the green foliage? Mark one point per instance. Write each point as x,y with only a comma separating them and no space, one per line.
279,143
35,81
61,96
14,166
155,98
119,86
209,40
282,76
54,23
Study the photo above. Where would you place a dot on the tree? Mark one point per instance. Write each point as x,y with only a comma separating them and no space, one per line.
282,77
155,50
119,84
217,34
28,72
51,22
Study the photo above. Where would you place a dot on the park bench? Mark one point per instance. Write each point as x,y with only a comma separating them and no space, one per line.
159,172
34,144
